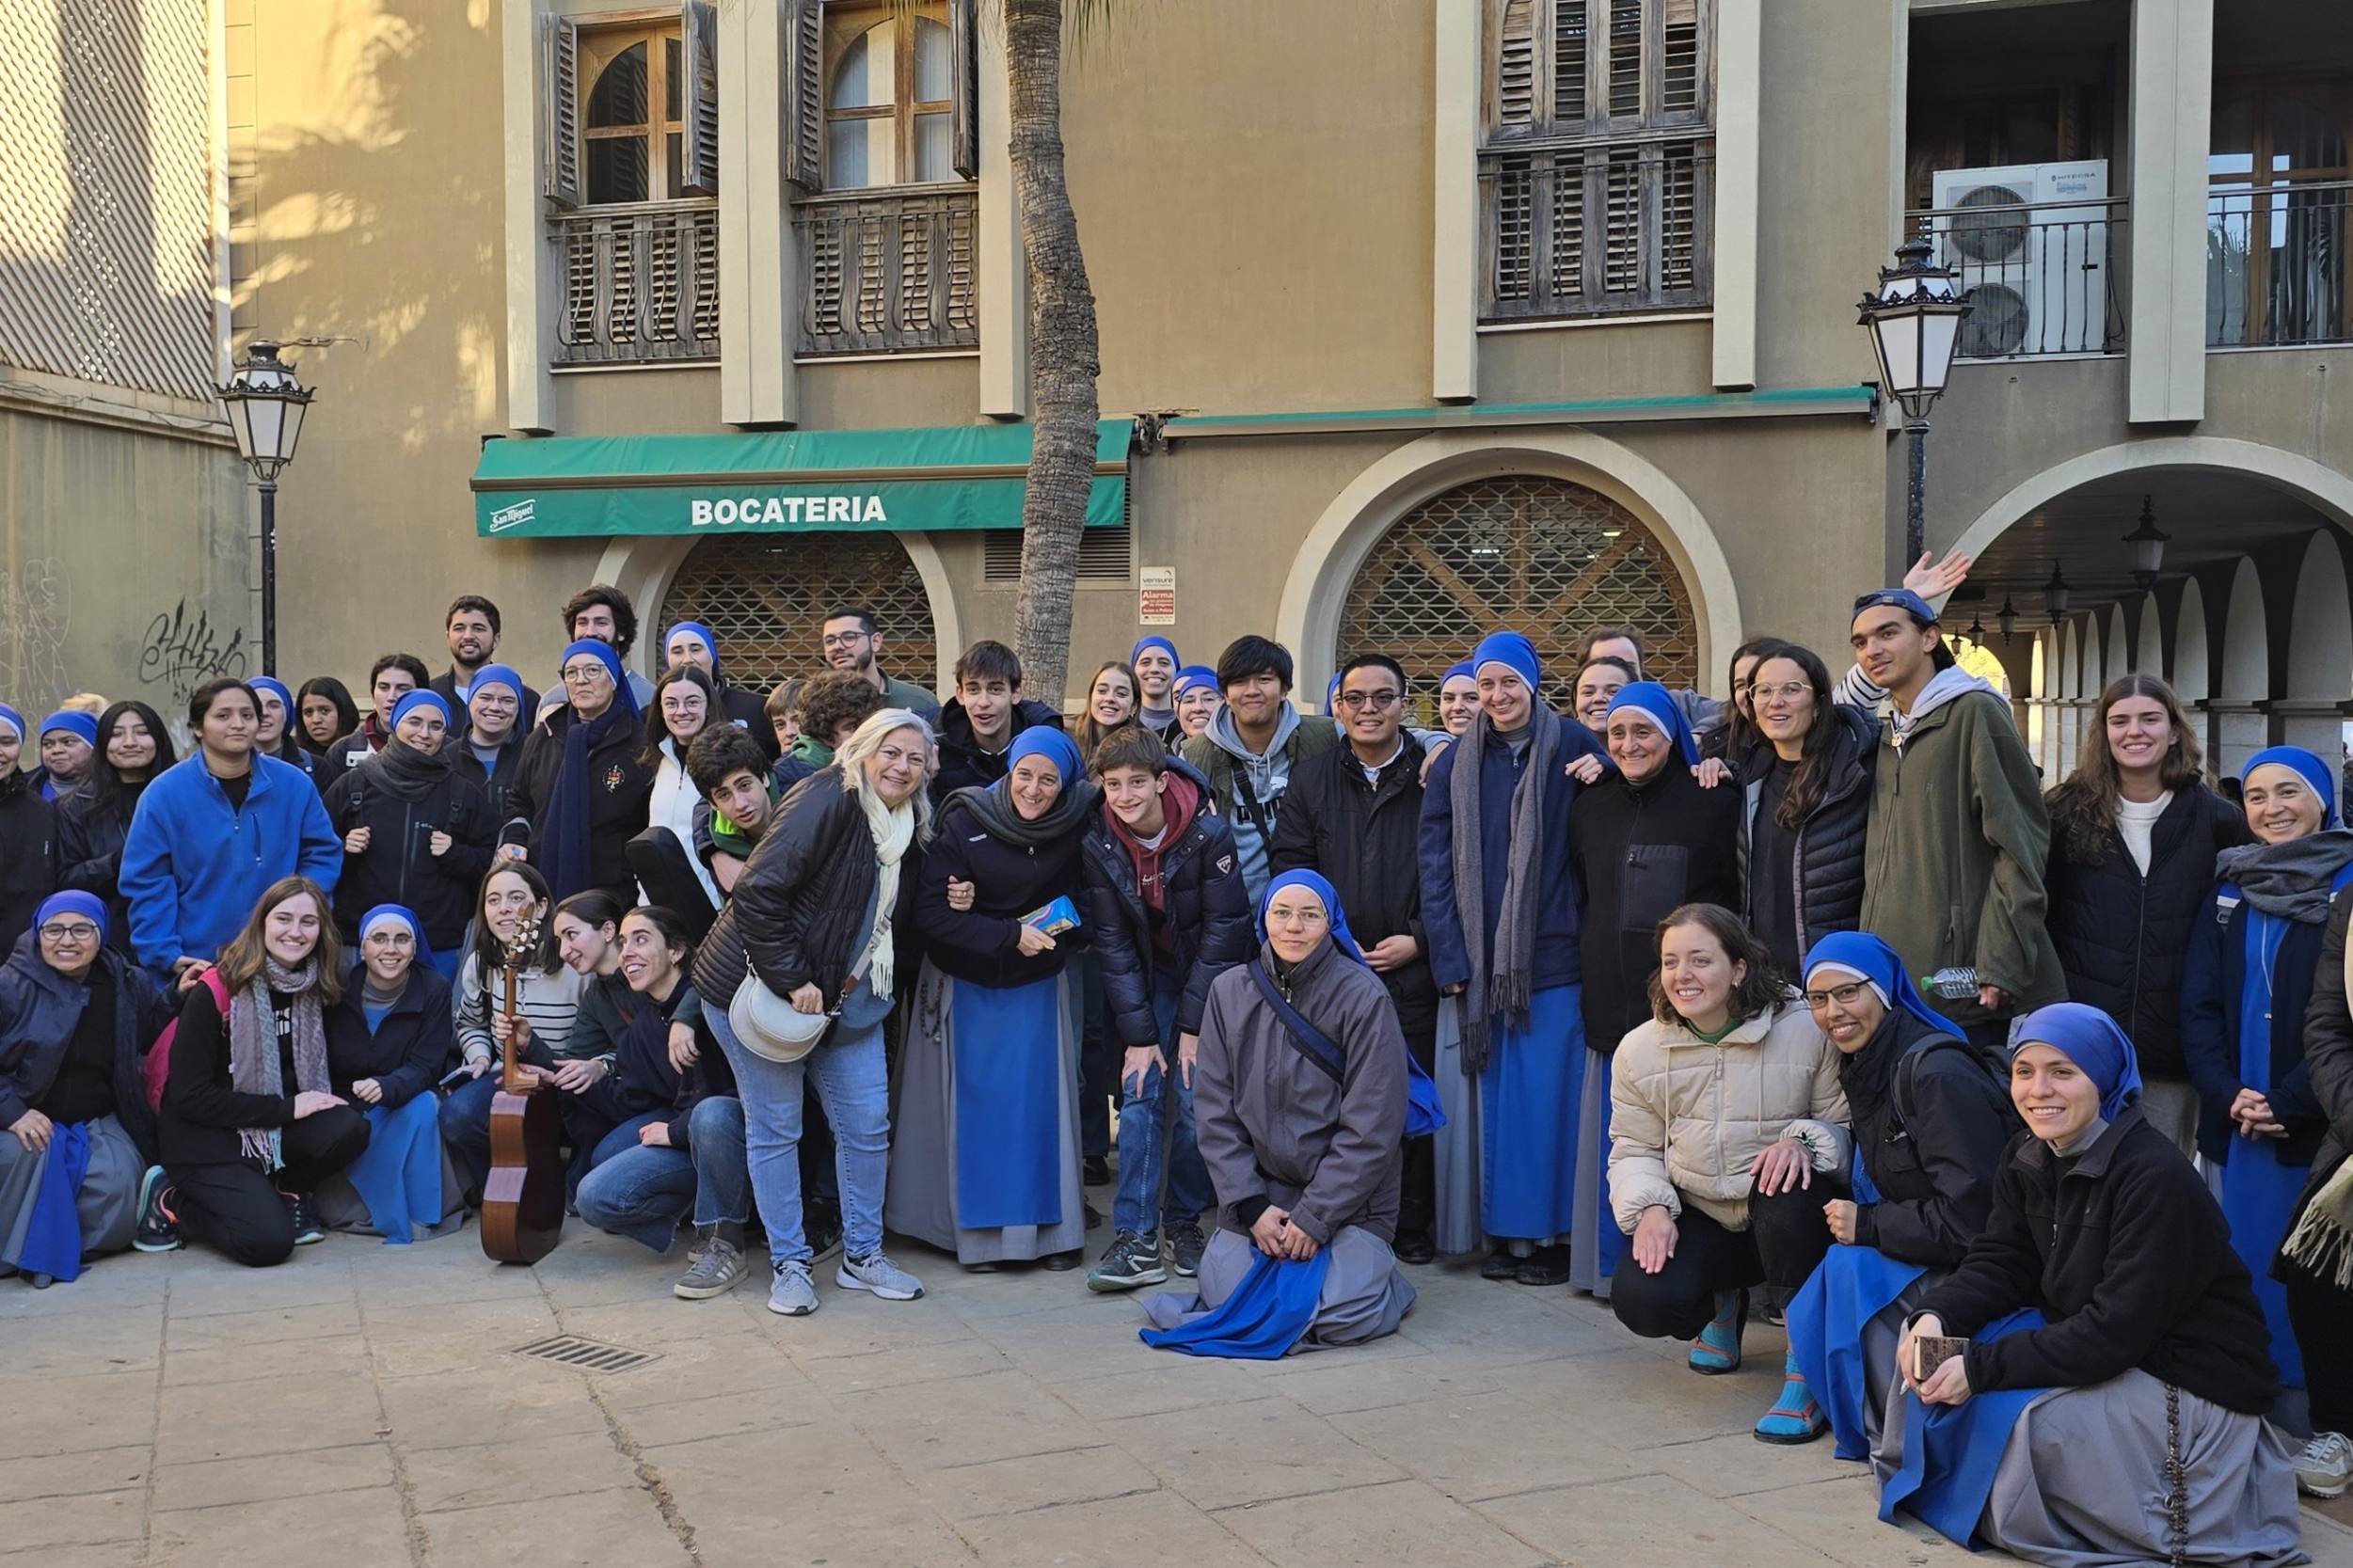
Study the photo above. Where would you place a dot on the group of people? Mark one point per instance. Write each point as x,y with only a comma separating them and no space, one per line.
2027,1117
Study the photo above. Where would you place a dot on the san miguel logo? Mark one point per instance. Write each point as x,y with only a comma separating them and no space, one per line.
514,516
780,510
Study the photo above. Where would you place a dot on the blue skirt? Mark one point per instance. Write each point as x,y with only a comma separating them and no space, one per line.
1008,1062
1528,1102
1847,1290
1951,1451
398,1175
2259,1196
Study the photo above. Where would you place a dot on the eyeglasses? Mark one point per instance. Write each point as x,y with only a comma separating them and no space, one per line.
57,930
1356,701
1787,691
578,673
843,639
1845,996
1295,917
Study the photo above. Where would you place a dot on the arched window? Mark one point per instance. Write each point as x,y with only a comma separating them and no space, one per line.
889,106
765,594
632,132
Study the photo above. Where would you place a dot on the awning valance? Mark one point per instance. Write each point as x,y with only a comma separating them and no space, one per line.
791,481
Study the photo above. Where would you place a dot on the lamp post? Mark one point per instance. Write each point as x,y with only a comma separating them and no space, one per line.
2148,543
265,405
1915,321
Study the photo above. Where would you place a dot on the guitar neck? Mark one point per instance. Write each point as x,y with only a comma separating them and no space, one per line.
507,1076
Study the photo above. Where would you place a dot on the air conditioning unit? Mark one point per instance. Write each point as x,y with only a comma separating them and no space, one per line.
2029,243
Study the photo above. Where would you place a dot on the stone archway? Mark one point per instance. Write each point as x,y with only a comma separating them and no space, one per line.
2192,675
2240,727
2320,652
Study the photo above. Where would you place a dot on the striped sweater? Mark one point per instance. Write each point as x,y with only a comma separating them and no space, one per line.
548,1001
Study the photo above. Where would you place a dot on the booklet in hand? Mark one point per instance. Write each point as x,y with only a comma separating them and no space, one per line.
1055,918
1932,1350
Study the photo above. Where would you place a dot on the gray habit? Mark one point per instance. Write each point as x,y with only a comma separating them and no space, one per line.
1457,1151
920,1198
107,1200
1272,1124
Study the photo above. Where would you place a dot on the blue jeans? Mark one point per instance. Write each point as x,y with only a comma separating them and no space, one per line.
642,1192
1156,1146
466,1129
854,1086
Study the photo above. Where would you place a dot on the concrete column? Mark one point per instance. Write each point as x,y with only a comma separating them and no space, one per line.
2172,102
1454,207
1003,286
533,288
2313,723
758,262
2241,728
1739,150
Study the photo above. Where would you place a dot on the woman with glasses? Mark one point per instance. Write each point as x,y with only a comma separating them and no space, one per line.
1732,738
75,1133
389,1036
1805,798
133,748
581,783
685,703
1929,1120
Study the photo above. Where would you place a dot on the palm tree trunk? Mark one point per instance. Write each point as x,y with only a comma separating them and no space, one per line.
1064,357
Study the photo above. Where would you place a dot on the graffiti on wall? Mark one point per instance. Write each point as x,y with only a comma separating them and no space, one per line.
183,652
33,626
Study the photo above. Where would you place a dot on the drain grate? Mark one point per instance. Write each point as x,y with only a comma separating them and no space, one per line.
587,1356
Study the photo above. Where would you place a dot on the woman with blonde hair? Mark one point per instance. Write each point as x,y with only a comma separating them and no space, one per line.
2134,836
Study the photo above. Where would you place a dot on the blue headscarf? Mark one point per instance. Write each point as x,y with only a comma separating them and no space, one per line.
14,720
1192,675
1513,651
622,697
1045,740
2090,1040
2313,769
702,634
420,698
270,683
496,674
72,901
1329,895
1162,643
1331,697
1465,670
77,724
1658,702
1862,954
403,915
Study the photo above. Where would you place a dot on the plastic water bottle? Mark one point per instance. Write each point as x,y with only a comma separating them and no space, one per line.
1953,983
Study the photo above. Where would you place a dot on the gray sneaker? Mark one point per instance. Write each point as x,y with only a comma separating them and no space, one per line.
793,1294
878,1276
715,1267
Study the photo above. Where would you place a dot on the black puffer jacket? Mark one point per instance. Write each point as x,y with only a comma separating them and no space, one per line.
28,854
1205,924
1639,852
1366,840
399,865
799,909
982,945
89,858
2129,1259
962,763
2329,1052
1930,1122
1826,880
2122,936
619,787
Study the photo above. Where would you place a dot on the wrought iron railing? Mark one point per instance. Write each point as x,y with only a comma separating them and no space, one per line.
2277,264
1599,230
2042,277
640,284
889,271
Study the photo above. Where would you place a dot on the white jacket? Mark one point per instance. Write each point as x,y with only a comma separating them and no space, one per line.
1687,1119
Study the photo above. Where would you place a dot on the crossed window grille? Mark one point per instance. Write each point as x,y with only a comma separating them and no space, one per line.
764,596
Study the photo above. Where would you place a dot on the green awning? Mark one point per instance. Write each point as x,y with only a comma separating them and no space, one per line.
792,481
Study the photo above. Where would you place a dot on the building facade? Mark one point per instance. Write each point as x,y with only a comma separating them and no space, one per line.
1418,317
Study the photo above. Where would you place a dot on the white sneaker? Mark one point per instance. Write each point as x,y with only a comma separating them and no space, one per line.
793,1294
878,1275
2325,1465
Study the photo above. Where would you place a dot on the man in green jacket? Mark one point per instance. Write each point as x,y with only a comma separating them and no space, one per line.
1952,868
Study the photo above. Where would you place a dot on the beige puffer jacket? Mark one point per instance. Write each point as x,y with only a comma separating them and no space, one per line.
1687,1119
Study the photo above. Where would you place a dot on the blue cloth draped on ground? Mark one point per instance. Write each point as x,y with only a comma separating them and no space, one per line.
2259,1192
53,1239
1847,1290
399,1175
1008,1103
1951,1451
1266,1314
1528,1103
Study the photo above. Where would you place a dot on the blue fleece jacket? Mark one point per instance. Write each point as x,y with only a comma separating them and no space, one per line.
192,869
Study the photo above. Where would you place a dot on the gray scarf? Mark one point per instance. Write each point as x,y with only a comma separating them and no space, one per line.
2289,881
1502,982
253,1065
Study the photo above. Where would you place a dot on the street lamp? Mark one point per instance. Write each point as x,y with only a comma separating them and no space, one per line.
1915,321
2007,618
2055,596
2148,543
265,403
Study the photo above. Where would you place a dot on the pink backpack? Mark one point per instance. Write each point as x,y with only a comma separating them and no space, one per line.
157,1065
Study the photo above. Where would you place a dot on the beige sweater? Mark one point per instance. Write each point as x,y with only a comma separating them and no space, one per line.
1687,1119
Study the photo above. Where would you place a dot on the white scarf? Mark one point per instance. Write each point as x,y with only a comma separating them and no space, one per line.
894,833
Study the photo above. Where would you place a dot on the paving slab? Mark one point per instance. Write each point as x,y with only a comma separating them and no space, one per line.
1402,1522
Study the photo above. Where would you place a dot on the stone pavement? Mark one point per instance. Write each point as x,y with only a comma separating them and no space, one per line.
363,1405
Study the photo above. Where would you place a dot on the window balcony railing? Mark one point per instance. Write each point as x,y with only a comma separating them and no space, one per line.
2041,278
889,271
1599,230
640,284
2277,264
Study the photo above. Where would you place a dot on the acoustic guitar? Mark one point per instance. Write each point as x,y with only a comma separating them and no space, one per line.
522,1201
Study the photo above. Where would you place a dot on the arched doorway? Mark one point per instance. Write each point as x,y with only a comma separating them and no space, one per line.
1541,556
764,596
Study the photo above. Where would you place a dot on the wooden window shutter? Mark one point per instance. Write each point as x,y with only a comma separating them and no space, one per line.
698,97
1678,45
963,33
1626,30
1569,56
1516,64
805,165
560,79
